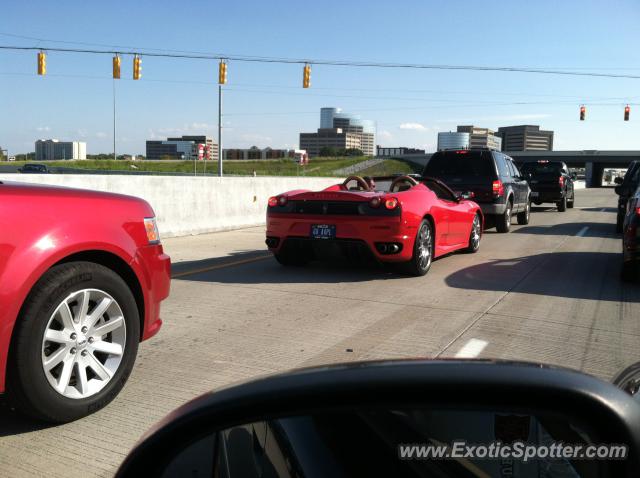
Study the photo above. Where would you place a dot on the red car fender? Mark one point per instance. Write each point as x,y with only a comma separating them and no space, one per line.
17,279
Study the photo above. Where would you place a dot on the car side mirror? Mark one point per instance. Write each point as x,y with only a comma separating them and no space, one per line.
292,424
574,176
618,180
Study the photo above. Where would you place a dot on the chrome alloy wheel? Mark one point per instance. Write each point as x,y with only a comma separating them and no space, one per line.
475,233
83,343
425,242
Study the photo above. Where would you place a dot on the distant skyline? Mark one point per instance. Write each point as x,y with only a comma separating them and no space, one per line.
265,105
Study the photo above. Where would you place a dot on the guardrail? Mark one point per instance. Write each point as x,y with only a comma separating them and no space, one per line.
187,205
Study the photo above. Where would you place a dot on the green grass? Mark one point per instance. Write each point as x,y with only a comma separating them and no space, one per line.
272,167
391,166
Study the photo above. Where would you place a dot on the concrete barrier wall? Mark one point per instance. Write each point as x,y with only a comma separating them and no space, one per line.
190,205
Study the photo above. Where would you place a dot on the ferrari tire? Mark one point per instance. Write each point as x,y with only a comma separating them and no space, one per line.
475,235
423,249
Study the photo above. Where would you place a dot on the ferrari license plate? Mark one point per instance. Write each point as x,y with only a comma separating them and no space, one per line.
323,231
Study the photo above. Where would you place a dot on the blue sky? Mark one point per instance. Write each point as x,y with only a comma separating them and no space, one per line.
264,104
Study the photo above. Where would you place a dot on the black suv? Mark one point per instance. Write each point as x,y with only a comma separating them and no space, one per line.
492,177
625,190
550,181
631,238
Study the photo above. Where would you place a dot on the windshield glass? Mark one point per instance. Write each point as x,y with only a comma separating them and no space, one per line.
460,163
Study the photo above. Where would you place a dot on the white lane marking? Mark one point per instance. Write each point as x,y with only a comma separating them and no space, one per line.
582,231
603,209
472,348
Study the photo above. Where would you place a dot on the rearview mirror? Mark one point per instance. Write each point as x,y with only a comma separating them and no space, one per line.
380,418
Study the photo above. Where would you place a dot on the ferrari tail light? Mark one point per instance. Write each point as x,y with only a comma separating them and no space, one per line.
391,203
273,201
497,188
561,181
375,203
282,200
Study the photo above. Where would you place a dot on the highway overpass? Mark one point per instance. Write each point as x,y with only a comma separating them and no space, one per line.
594,161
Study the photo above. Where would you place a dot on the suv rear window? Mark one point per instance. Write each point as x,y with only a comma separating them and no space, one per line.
541,168
452,164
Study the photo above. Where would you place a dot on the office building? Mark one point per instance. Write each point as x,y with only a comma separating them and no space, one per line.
388,152
482,138
525,138
336,138
256,153
332,118
453,140
53,149
183,147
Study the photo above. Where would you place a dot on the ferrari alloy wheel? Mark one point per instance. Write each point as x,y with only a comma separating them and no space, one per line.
75,343
474,236
422,251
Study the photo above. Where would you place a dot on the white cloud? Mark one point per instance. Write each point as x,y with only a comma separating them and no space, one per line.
44,129
414,126
101,134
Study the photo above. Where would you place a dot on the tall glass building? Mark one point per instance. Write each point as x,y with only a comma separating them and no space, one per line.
335,118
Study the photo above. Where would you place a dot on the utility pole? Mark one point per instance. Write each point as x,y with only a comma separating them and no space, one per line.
220,130
114,120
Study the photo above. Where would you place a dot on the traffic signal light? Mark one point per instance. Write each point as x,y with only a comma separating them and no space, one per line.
42,63
116,67
137,67
306,76
222,73
627,110
583,112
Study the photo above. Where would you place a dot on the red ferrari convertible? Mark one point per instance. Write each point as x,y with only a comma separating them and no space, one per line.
403,219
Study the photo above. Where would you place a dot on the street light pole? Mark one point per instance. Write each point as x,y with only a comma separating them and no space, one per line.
114,119
220,130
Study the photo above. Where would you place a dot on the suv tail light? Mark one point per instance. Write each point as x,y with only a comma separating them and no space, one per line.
561,181
498,188
638,211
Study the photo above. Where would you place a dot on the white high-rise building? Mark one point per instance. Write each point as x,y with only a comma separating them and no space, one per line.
53,149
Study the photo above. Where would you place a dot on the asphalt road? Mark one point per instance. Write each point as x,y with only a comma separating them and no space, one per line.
546,292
